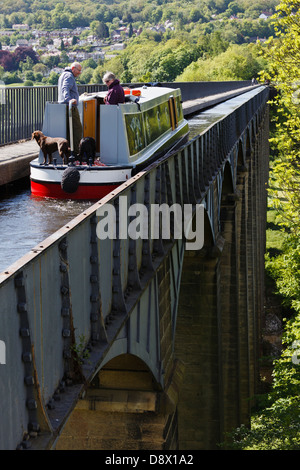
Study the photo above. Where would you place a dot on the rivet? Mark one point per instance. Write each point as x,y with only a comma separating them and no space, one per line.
64,290
29,380
31,404
63,268
24,332
66,333
65,312
22,307
27,357
33,426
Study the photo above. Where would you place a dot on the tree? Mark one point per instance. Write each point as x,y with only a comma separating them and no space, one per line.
40,68
53,78
130,31
7,61
89,63
74,40
284,55
86,75
29,75
277,426
100,29
21,53
237,63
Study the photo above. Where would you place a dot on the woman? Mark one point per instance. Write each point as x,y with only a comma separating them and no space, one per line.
115,93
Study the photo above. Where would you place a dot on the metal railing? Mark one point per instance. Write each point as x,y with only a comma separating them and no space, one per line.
22,108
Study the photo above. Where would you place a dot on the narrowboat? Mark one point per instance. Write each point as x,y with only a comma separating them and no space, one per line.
127,137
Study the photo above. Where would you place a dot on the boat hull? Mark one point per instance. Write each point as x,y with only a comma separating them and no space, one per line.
94,182
84,192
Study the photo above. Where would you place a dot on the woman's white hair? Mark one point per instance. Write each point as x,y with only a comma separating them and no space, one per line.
108,76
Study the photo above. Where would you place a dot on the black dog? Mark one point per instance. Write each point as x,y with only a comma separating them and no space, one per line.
87,149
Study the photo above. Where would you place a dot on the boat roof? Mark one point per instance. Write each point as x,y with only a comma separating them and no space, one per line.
147,93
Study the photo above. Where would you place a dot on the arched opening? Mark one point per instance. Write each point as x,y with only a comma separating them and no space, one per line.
125,371
227,184
240,158
123,408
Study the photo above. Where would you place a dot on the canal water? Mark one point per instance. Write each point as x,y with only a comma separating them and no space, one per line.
26,221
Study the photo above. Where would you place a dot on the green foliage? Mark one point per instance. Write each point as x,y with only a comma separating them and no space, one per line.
278,425
53,78
237,63
203,30
276,428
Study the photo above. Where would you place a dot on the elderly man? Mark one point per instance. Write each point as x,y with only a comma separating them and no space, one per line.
68,92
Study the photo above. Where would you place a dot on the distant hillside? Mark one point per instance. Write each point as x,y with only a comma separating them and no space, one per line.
52,14
140,40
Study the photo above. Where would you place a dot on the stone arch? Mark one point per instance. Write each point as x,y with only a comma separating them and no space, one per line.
125,371
124,408
240,158
227,183
196,342
248,137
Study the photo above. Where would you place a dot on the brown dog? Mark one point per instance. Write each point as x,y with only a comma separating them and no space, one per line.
49,145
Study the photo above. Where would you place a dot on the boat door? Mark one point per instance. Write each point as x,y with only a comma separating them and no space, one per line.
89,121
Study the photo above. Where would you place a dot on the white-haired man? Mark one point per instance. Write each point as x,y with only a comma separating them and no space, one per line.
68,92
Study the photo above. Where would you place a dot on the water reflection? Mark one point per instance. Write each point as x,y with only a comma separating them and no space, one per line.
199,123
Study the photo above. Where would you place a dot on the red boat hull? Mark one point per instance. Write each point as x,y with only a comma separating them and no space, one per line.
54,190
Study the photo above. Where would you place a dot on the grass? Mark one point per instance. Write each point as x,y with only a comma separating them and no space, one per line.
275,236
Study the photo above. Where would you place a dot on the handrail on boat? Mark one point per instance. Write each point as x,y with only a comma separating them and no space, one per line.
72,157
